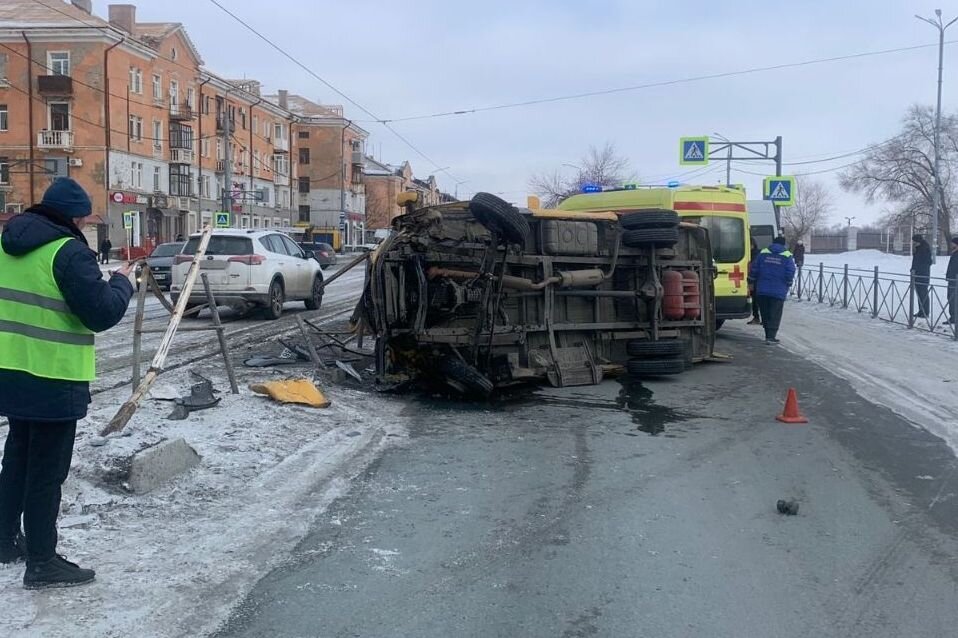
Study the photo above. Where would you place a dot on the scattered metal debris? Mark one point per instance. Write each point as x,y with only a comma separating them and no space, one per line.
350,370
300,391
200,398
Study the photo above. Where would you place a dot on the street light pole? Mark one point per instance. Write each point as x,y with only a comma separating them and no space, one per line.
936,197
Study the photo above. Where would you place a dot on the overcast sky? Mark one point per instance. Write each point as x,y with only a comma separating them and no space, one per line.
424,56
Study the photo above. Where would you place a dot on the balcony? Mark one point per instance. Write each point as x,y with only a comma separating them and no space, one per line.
158,151
220,166
281,144
55,139
180,112
181,156
55,85
358,158
280,179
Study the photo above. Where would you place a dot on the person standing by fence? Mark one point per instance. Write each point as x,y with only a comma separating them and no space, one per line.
799,253
773,272
952,276
921,272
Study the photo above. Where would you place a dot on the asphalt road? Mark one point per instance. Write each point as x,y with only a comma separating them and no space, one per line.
637,510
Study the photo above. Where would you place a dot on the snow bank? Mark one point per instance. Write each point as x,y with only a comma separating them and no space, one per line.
912,373
868,259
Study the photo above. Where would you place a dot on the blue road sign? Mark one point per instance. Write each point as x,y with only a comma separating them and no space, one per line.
780,190
694,151
222,220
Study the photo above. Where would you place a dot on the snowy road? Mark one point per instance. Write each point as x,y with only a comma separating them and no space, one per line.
558,515
115,346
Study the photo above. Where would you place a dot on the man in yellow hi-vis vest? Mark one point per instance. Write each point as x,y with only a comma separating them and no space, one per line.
53,298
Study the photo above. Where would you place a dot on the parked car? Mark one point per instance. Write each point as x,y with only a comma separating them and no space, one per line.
252,268
322,252
160,262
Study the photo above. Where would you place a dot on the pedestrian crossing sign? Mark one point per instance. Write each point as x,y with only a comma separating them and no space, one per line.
780,190
128,220
222,220
694,151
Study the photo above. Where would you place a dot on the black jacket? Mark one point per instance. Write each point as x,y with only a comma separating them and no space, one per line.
799,254
98,304
921,258
952,271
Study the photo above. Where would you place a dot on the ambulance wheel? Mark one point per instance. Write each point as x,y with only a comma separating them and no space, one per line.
650,219
501,217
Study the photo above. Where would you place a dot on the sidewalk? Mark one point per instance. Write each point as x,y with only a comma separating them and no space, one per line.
912,373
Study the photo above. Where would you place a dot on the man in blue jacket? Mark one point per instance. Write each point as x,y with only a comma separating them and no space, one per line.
52,299
773,273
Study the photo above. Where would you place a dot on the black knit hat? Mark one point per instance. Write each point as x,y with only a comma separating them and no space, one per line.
916,237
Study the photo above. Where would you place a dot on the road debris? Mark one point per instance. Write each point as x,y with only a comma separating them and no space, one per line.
299,391
350,370
788,508
200,398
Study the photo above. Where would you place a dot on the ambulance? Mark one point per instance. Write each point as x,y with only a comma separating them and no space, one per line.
719,209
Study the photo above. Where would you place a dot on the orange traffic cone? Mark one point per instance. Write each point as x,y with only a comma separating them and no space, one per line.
791,413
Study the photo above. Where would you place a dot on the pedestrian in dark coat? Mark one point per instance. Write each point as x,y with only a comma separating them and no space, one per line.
105,247
921,270
799,254
773,273
52,299
756,319
952,276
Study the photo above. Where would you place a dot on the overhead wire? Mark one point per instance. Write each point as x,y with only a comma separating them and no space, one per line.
658,84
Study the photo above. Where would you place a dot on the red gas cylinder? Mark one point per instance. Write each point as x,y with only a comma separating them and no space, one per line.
690,287
673,303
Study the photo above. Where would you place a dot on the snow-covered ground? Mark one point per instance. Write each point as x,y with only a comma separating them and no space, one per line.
912,373
868,259
172,562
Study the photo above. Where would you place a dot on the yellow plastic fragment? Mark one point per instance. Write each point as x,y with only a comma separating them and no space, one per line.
301,391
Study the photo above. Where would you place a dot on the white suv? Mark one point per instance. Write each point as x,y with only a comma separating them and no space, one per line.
251,267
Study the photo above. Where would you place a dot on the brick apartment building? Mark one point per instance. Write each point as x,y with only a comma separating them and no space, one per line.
330,153
384,182
127,110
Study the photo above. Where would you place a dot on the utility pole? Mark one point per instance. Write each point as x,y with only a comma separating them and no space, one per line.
936,197
227,161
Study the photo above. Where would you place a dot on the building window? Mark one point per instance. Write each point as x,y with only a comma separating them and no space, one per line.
255,127
284,198
303,135
156,179
3,117
281,165
303,213
157,133
205,186
304,184
4,171
278,131
59,115
173,54
219,149
207,104
157,87
243,118
58,62
304,156
136,128
136,80
190,97
205,146
181,136
266,129
180,180
174,93
3,66
255,162
136,174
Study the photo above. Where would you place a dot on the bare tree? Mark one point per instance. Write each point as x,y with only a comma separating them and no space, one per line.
599,166
901,171
813,204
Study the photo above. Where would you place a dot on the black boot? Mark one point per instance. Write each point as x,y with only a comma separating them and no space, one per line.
56,572
13,551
